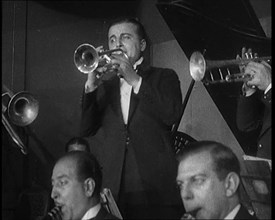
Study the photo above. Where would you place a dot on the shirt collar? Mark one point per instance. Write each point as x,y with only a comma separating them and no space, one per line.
234,212
268,88
138,62
92,212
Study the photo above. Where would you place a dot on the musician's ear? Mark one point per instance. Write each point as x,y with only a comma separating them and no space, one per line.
232,182
89,187
142,45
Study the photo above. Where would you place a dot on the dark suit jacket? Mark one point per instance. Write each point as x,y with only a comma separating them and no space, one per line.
103,214
254,112
244,214
146,139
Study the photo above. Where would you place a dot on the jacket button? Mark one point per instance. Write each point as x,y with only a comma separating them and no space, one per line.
260,146
127,140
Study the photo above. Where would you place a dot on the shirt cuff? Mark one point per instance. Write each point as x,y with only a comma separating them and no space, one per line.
88,89
137,87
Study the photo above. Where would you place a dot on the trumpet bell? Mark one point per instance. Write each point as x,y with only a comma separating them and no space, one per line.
23,109
86,58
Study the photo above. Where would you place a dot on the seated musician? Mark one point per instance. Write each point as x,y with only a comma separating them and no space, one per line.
208,179
76,185
254,105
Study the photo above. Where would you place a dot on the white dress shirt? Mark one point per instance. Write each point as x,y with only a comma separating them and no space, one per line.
125,93
233,213
92,212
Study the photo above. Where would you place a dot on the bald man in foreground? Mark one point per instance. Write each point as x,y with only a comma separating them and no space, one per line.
76,186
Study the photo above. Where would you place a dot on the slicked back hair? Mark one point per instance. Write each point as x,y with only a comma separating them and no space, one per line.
87,166
223,158
140,28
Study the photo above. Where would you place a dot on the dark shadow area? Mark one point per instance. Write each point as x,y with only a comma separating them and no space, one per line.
93,9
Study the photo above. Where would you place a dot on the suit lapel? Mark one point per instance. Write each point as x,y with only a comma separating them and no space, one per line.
100,215
134,101
133,106
263,131
244,214
114,92
114,85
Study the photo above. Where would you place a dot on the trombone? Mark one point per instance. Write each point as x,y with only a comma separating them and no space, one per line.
22,109
198,66
87,59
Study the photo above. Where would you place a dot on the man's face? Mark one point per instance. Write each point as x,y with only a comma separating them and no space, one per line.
67,191
125,36
202,193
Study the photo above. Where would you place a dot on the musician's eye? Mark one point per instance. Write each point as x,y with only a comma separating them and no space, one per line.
63,182
125,37
179,186
60,183
197,181
112,40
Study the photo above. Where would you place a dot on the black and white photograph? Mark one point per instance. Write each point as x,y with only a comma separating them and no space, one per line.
136,109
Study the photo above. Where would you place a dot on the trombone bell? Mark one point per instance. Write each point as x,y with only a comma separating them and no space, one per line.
23,109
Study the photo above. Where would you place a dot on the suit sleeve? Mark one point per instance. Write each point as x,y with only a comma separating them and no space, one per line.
250,110
89,122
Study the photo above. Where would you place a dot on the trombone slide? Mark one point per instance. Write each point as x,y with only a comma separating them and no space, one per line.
13,134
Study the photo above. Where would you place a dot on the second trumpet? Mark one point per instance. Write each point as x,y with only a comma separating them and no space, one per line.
198,66
87,58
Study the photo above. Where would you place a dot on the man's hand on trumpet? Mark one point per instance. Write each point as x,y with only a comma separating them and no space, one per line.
125,69
260,73
99,75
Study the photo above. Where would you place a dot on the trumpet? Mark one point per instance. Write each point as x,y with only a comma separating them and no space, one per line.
198,66
22,110
87,59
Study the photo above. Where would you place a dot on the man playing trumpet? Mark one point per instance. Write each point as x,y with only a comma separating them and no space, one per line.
254,105
128,120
